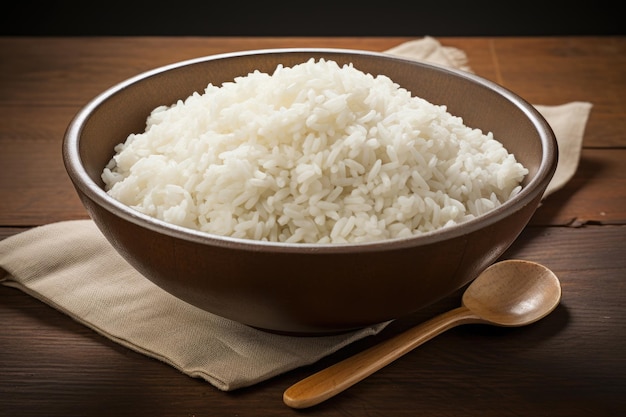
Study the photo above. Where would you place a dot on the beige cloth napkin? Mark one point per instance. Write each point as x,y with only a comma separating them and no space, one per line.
71,267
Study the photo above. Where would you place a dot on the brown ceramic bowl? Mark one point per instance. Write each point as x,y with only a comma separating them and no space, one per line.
306,288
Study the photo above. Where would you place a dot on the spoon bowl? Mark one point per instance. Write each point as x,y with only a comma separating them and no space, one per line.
513,293
509,293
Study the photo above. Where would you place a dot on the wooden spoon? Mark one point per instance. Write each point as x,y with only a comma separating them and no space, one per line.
508,293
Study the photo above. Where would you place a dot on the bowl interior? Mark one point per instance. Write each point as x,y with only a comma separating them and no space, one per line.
480,103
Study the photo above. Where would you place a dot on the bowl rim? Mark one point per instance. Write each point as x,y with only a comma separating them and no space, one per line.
82,180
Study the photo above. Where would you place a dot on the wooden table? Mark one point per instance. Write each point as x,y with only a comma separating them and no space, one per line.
572,363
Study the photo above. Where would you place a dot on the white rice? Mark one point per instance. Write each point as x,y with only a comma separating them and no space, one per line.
314,153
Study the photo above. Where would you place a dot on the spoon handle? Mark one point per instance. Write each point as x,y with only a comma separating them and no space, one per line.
342,375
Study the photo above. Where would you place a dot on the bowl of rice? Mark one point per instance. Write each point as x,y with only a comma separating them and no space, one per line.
309,191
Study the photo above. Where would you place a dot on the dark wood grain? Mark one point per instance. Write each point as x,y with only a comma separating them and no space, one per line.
572,363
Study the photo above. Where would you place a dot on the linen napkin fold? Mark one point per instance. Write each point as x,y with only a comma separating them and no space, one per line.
71,266
568,123
429,49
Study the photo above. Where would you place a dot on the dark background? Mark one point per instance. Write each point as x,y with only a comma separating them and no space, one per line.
319,18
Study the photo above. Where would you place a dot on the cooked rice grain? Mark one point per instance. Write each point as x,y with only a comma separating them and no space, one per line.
314,153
